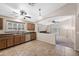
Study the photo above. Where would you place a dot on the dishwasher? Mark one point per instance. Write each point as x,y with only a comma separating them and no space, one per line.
28,38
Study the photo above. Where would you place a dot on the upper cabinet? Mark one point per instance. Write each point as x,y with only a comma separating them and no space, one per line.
1,23
30,26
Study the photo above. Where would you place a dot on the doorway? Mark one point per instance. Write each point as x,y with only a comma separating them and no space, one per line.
64,31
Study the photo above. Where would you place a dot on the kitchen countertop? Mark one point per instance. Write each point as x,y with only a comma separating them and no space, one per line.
9,34
4,35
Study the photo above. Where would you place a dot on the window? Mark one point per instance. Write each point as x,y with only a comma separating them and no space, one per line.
14,26
9,26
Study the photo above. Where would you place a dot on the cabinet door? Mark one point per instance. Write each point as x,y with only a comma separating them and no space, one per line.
30,26
2,43
33,27
1,23
10,41
17,39
22,38
33,36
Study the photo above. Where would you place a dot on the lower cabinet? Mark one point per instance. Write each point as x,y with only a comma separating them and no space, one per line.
17,39
2,43
30,36
22,38
33,36
10,41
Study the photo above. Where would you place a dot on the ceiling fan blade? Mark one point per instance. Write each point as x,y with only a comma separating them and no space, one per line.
28,16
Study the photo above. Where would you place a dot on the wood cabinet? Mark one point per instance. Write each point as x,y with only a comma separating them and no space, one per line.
1,23
30,26
2,43
17,39
22,38
33,36
10,41
30,36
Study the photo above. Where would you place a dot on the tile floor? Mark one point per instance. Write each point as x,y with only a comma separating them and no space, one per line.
38,48
66,43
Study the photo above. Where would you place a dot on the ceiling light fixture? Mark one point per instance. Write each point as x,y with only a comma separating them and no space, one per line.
31,4
40,17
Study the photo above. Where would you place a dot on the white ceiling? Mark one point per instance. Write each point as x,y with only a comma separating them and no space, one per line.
58,19
8,9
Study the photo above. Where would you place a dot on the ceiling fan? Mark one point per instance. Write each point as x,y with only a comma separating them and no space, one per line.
22,13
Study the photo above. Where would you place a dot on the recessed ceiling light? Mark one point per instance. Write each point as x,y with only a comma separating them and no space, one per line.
31,4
